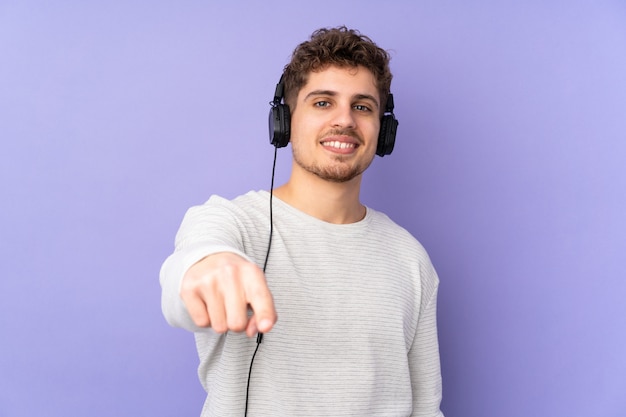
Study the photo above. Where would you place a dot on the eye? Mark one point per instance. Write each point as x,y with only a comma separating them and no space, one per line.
321,103
362,107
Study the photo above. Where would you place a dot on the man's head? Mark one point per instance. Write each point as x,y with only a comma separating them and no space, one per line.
340,47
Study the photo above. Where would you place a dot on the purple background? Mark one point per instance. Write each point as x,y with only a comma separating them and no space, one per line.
509,167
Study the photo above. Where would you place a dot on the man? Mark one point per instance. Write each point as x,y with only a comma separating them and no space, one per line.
347,302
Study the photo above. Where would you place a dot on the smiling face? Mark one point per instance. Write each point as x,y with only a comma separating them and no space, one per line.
335,123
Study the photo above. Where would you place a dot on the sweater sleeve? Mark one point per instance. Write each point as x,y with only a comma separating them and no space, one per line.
424,359
205,230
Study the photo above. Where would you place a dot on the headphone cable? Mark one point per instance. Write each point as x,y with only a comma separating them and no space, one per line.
259,337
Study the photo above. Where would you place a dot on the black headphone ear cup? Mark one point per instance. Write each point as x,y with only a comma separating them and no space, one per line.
279,125
387,135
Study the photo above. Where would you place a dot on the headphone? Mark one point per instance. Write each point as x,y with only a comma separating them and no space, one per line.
280,123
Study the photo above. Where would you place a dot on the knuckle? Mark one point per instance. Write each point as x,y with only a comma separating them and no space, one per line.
192,281
250,269
219,327
237,324
187,291
201,321
260,294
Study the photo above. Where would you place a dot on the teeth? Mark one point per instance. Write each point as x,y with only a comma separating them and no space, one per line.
339,145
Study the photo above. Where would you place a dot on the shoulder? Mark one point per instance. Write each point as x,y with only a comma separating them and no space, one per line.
252,201
241,206
402,246
251,198
386,227
221,213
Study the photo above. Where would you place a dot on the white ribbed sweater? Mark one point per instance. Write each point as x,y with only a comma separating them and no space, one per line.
356,332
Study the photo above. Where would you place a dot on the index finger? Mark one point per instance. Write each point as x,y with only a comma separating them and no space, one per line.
261,302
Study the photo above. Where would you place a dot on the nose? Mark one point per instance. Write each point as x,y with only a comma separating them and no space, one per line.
343,116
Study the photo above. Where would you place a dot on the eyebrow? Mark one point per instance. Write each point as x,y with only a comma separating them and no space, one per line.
331,93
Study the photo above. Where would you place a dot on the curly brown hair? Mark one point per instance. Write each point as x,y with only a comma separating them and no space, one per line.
341,47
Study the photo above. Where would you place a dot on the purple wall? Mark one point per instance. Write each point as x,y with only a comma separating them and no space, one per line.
509,167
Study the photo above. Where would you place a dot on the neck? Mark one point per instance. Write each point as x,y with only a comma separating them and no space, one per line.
331,202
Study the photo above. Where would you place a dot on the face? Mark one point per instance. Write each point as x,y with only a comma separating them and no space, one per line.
335,123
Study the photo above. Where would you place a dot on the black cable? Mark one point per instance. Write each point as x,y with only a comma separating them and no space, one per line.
259,337
258,343
269,243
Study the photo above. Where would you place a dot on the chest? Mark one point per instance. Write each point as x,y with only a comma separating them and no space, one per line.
328,289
